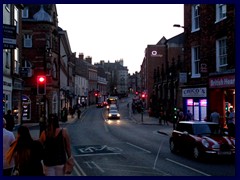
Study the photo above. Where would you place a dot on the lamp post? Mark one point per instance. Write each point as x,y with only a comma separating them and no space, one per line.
178,25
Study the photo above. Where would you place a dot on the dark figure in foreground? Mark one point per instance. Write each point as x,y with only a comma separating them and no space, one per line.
27,154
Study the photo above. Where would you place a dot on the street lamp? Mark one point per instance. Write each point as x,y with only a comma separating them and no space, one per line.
178,25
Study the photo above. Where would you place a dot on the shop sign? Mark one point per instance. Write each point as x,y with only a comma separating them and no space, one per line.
9,36
222,82
194,92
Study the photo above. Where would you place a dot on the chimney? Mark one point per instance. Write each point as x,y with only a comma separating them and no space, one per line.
89,59
81,56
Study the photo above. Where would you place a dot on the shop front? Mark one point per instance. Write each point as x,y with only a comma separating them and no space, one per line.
195,100
222,95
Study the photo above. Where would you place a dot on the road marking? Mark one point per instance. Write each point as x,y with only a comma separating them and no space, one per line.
97,154
81,173
98,167
180,164
138,147
155,162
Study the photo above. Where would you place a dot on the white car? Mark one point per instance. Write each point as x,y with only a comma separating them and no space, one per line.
113,114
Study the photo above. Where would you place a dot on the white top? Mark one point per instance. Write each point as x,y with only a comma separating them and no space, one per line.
8,138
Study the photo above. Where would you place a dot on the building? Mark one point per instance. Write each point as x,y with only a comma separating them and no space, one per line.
209,55
12,53
40,54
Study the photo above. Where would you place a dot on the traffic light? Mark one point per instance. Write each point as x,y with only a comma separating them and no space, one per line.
96,94
175,112
41,85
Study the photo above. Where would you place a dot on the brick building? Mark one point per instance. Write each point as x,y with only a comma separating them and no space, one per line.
210,59
40,57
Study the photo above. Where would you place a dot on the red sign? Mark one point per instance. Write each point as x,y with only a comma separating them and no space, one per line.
222,82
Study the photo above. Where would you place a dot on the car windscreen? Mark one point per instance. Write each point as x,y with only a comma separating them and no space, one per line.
199,129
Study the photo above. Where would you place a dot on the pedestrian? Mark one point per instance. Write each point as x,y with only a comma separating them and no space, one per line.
27,154
9,120
56,144
8,139
231,123
79,112
214,117
64,114
180,116
189,116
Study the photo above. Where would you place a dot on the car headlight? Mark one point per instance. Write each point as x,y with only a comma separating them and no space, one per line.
205,143
109,115
118,115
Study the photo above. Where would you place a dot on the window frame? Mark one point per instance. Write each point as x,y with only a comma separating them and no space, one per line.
220,67
25,13
27,40
195,59
195,17
219,12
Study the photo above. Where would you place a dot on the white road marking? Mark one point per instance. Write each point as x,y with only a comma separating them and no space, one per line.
138,147
82,173
155,162
180,164
98,167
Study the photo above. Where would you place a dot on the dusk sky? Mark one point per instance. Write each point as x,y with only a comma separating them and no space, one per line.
112,32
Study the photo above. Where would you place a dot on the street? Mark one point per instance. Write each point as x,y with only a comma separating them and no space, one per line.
132,148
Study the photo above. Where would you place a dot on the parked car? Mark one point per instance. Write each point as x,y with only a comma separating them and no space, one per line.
201,139
113,114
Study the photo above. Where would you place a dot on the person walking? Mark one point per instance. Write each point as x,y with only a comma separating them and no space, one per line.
180,116
56,144
79,112
27,154
9,120
8,139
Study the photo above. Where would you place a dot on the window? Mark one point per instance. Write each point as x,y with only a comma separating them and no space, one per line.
7,7
221,54
54,71
27,40
195,17
16,60
195,62
221,12
25,12
7,58
16,19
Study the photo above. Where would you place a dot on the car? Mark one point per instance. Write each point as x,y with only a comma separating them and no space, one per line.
113,114
99,105
201,139
112,107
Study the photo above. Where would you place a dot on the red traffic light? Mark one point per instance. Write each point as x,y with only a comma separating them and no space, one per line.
41,85
41,79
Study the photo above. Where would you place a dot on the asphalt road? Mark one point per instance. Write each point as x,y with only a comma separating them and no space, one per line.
127,148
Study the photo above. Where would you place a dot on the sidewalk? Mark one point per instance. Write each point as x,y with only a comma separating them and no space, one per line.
145,119
34,127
